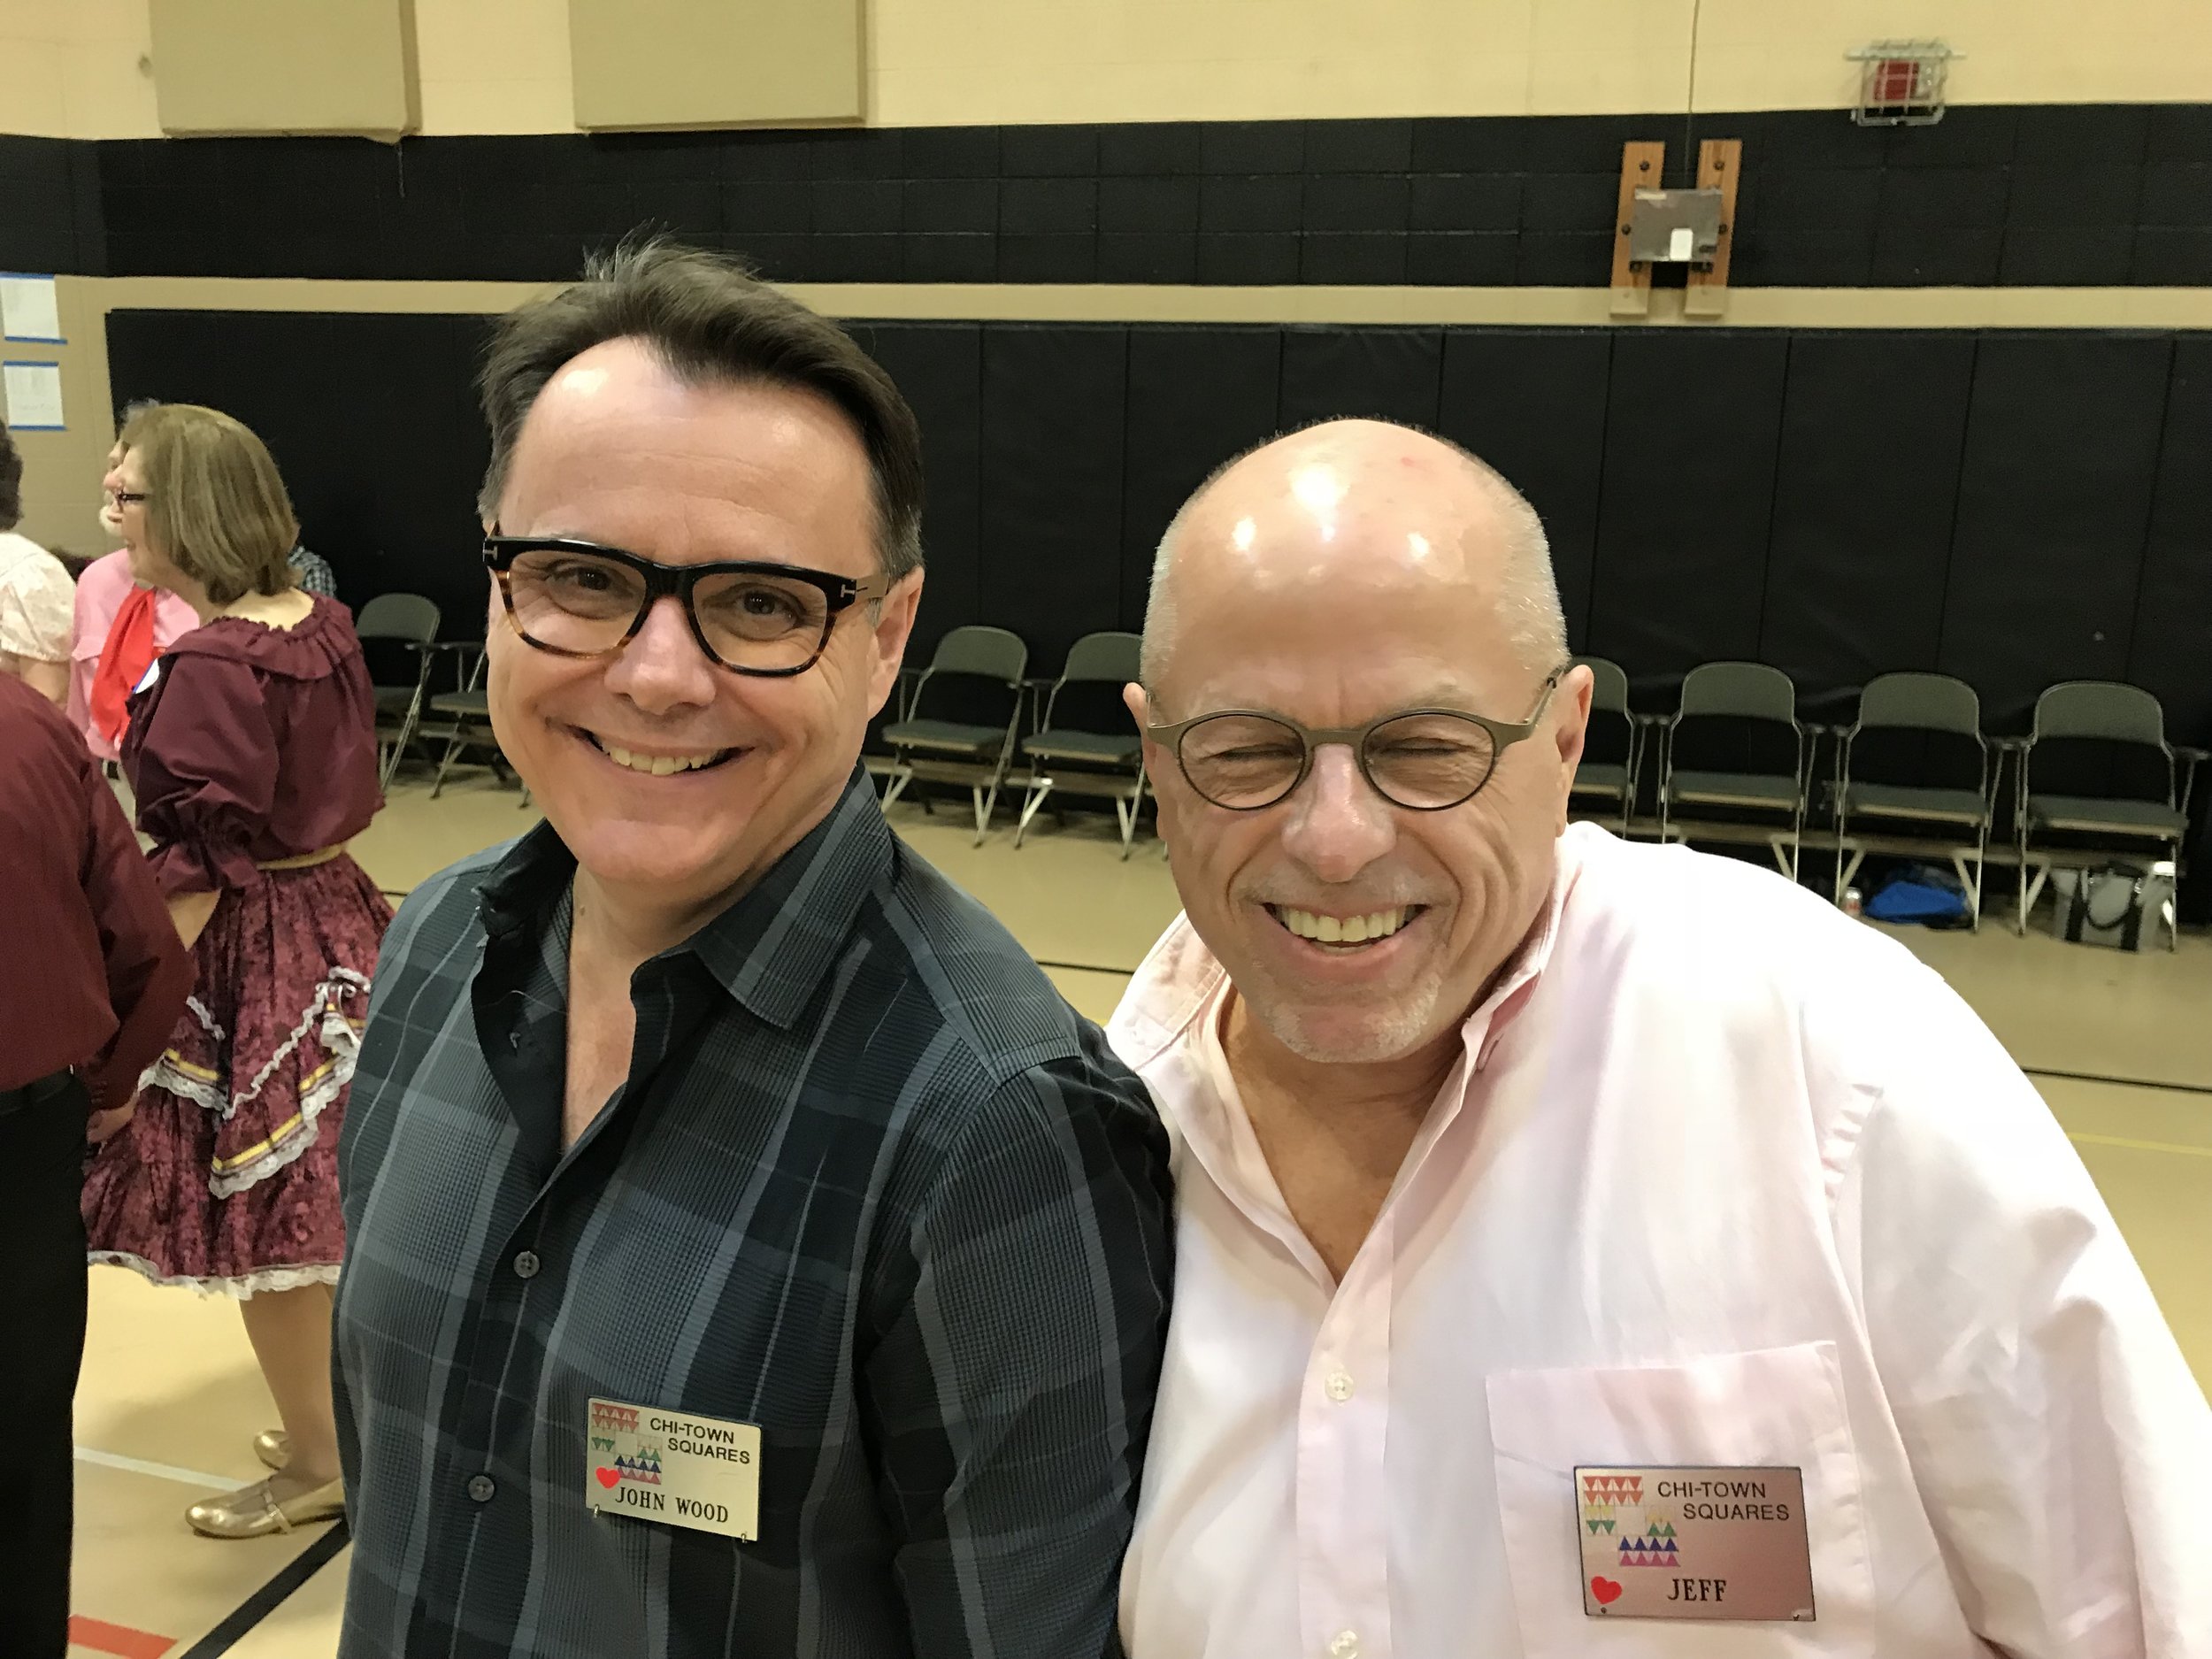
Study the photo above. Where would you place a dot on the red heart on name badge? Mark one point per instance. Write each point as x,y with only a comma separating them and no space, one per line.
608,1478
1606,1591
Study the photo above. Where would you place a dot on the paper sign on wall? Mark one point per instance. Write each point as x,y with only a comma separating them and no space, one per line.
29,308
34,396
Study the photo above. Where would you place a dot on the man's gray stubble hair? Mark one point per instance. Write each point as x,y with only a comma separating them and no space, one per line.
1528,598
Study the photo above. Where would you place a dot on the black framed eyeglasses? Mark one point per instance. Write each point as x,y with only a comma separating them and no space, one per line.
578,599
1425,760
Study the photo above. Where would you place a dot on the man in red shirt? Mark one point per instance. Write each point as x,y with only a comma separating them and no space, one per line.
92,979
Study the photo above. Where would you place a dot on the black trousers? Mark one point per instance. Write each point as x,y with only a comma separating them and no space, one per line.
42,1316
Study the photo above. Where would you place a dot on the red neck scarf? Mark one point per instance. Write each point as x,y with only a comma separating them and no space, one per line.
123,659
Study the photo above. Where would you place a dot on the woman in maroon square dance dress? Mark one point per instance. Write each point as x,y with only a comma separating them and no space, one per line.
252,751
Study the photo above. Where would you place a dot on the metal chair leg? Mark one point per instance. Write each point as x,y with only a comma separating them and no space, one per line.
899,778
1039,788
452,748
2173,928
1129,818
390,768
984,804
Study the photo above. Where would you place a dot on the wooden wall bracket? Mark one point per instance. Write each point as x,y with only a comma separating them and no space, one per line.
1719,162
1642,165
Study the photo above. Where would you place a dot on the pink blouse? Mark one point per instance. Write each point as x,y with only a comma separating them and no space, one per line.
101,590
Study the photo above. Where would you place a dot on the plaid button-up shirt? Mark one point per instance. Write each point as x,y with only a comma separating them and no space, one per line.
870,1185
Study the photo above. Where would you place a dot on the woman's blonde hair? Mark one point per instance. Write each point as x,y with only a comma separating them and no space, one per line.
216,507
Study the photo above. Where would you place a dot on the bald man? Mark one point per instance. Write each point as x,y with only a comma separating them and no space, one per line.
1583,1249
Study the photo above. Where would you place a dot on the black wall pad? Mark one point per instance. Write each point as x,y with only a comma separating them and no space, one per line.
2054,505
2170,655
1387,373
1692,426
1050,540
1057,454
1991,195
1196,397
1532,404
2171,652
1872,426
384,475
52,218
939,366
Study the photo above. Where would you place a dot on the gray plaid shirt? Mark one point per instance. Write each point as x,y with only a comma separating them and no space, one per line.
870,1185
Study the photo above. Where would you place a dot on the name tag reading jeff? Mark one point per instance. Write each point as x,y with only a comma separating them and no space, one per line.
1694,1543
669,1466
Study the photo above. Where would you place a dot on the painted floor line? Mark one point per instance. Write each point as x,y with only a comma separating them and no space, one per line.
96,1635
271,1595
159,1472
2140,1146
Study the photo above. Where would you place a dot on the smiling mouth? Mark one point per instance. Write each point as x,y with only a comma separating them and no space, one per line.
657,765
1344,932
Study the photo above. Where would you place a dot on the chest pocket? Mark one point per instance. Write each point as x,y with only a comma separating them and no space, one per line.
1777,1407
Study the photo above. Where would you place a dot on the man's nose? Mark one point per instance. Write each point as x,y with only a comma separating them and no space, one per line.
662,667
1339,824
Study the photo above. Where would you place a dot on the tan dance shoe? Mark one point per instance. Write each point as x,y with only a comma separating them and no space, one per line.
273,1446
254,1511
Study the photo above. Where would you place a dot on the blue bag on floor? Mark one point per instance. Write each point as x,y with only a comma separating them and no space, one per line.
1920,894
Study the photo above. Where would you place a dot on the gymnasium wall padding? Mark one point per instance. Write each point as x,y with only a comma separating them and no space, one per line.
1196,397
1382,373
939,366
1531,402
372,421
1739,492
1688,489
2054,507
2170,655
1050,544
1872,424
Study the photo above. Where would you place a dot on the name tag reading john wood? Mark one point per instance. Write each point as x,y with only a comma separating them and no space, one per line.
674,1468
1694,1543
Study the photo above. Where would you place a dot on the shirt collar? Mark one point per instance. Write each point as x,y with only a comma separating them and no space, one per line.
770,949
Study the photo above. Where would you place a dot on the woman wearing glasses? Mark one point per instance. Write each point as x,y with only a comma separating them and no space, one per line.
252,751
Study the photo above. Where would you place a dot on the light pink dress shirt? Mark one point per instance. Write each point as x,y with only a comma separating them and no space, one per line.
1721,1177
101,589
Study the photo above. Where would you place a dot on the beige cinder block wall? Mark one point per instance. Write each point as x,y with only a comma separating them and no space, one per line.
74,68
61,470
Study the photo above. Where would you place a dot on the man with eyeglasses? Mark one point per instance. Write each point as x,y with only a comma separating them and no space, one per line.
1583,1248
749,1253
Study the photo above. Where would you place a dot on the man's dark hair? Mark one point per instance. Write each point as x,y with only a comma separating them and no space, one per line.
11,481
711,320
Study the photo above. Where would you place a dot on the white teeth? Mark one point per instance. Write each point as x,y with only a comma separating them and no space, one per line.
1349,930
658,765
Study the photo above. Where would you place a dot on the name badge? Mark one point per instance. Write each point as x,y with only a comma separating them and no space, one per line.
1694,1543
670,1466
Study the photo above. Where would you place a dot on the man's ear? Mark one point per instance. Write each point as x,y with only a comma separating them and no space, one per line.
1134,699
1571,729
893,627
1139,705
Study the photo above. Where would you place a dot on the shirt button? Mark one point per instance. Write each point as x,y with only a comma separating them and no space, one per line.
1344,1645
480,1488
526,1264
1339,1389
